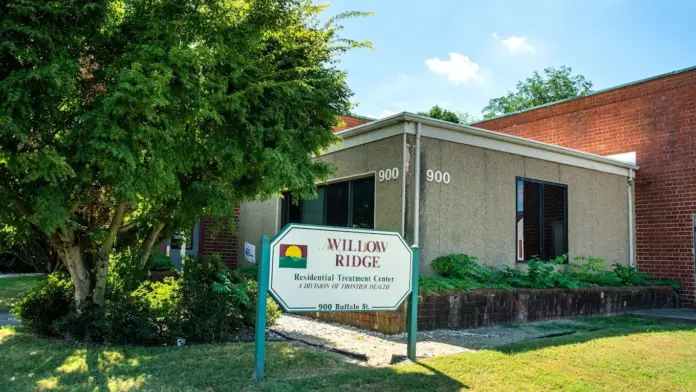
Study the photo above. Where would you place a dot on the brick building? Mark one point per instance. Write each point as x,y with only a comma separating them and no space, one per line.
656,119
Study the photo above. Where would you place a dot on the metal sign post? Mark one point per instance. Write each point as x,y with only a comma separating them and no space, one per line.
260,333
412,316
332,269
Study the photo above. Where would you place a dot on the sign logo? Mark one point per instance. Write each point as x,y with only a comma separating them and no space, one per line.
293,256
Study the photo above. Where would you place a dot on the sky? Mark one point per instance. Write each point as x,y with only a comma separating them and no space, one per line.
460,53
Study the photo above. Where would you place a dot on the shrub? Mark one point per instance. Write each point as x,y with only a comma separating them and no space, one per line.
207,303
124,275
41,306
160,262
461,272
86,325
148,315
273,311
460,266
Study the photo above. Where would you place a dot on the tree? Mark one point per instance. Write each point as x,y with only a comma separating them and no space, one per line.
439,113
555,85
128,120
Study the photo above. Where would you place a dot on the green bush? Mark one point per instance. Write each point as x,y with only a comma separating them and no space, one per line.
124,275
207,303
160,262
460,266
44,304
461,272
148,315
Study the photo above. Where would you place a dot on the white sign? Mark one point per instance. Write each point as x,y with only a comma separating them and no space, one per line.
249,252
323,269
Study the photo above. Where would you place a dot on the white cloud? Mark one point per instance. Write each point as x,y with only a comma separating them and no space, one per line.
516,44
458,69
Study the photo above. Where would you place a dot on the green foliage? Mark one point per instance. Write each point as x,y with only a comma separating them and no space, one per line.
460,266
542,274
208,303
24,248
439,113
174,109
555,85
461,272
160,262
41,306
124,274
249,271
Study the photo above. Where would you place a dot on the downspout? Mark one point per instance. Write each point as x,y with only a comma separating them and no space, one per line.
631,252
416,196
404,162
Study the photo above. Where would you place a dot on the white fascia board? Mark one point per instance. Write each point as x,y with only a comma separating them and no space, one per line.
628,157
372,134
522,150
483,138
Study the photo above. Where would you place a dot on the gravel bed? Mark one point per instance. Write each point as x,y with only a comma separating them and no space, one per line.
382,350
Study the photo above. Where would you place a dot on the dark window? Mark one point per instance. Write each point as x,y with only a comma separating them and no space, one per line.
178,239
542,220
344,204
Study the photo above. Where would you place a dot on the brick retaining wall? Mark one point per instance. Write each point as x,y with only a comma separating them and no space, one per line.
486,307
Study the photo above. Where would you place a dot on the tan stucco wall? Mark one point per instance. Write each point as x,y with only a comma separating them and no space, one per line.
368,159
475,213
256,219
259,218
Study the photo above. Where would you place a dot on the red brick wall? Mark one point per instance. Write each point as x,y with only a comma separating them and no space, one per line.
657,119
351,122
223,242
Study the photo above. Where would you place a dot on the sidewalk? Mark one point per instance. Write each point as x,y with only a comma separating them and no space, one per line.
8,319
681,315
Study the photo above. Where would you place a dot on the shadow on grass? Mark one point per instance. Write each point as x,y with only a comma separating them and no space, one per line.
31,363
597,328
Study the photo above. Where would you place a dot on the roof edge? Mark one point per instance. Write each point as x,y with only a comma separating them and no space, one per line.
406,116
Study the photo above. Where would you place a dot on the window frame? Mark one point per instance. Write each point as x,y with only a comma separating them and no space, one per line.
284,212
542,249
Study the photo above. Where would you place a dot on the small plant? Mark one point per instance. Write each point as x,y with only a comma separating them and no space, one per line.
461,272
43,305
460,266
630,276
160,262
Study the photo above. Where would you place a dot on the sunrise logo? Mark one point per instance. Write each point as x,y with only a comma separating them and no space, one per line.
293,256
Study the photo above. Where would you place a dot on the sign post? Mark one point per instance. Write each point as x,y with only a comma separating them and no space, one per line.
333,269
260,333
412,317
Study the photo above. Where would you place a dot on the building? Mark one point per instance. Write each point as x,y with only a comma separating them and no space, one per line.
655,120
458,189
205,240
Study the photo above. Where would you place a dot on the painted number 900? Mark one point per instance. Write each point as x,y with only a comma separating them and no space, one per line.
438,176
388,174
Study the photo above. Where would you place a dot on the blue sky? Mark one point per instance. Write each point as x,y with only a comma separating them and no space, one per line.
461,53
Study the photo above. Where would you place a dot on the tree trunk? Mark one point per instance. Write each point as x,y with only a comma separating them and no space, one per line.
103,255
71,253
149,243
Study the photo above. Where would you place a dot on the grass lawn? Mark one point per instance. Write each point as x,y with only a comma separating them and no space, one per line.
624,355
12,288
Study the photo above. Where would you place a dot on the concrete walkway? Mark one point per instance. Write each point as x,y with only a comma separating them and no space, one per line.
8,319
680,315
